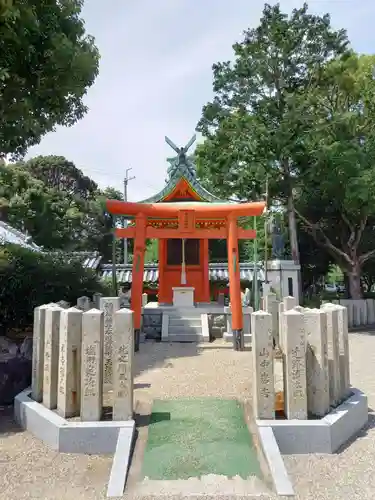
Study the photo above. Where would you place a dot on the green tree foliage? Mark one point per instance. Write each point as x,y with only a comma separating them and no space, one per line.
335,194
29,279
57,205
249,128
47,63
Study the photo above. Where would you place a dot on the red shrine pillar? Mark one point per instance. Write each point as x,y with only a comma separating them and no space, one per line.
234,284
137,275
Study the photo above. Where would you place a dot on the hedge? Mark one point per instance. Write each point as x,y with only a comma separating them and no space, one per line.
29,279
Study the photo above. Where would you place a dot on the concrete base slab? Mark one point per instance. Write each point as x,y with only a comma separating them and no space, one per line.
97,438
321,436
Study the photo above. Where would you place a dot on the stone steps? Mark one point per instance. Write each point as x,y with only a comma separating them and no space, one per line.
185,322
184,336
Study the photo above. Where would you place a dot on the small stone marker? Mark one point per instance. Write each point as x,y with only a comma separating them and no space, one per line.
289,303
333,352
64,304
96,300
281,309
317,362
38,353
344,352
343,339
123,353
83,303
299,309
109,305
262,352
271,305
92,365
144,299
69,387
51,356
295,390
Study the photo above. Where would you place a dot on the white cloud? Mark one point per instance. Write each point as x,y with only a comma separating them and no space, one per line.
155,76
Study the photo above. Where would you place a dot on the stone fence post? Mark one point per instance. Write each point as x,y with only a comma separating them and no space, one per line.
84,303
262,353
271,305
51,356
333,352
109,305
123,354
92,365
69,386
317,362
295,390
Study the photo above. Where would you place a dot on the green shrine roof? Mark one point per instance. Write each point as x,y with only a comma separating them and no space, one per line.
183,167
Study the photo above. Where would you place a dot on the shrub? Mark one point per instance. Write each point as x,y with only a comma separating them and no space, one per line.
29,279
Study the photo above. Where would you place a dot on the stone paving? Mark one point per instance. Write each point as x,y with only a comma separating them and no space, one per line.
29,470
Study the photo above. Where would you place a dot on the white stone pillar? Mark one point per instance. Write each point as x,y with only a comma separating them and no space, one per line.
38,353
69,381
123,354
64,304
289,303
51,356
333,352
92,365
281,309
96,300
262,352
84,303
271,305
317,362
144,299
295,386
344,352
109,305
343,340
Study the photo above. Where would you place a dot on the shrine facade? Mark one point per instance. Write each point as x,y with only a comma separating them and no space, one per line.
184,216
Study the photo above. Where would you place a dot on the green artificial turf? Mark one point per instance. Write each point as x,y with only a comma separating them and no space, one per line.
196,437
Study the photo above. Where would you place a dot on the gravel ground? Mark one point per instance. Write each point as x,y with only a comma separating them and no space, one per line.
29,470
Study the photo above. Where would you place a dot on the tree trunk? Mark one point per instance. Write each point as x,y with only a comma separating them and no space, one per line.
354,278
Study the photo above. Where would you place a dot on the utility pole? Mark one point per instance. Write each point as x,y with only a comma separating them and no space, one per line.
266,237
127,179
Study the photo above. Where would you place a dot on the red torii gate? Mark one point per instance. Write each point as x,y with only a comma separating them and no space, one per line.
186,215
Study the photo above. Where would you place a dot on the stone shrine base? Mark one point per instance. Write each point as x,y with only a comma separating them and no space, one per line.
97,438
89,438
320,436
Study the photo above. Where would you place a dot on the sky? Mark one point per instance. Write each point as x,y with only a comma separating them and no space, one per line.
156,75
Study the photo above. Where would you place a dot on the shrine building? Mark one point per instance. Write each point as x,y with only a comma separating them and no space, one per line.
184,217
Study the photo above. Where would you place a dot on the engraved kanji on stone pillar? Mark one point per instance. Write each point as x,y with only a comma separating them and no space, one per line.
92,365
262,352
109,305
69,381
51,356
123,354
317,362
295,391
